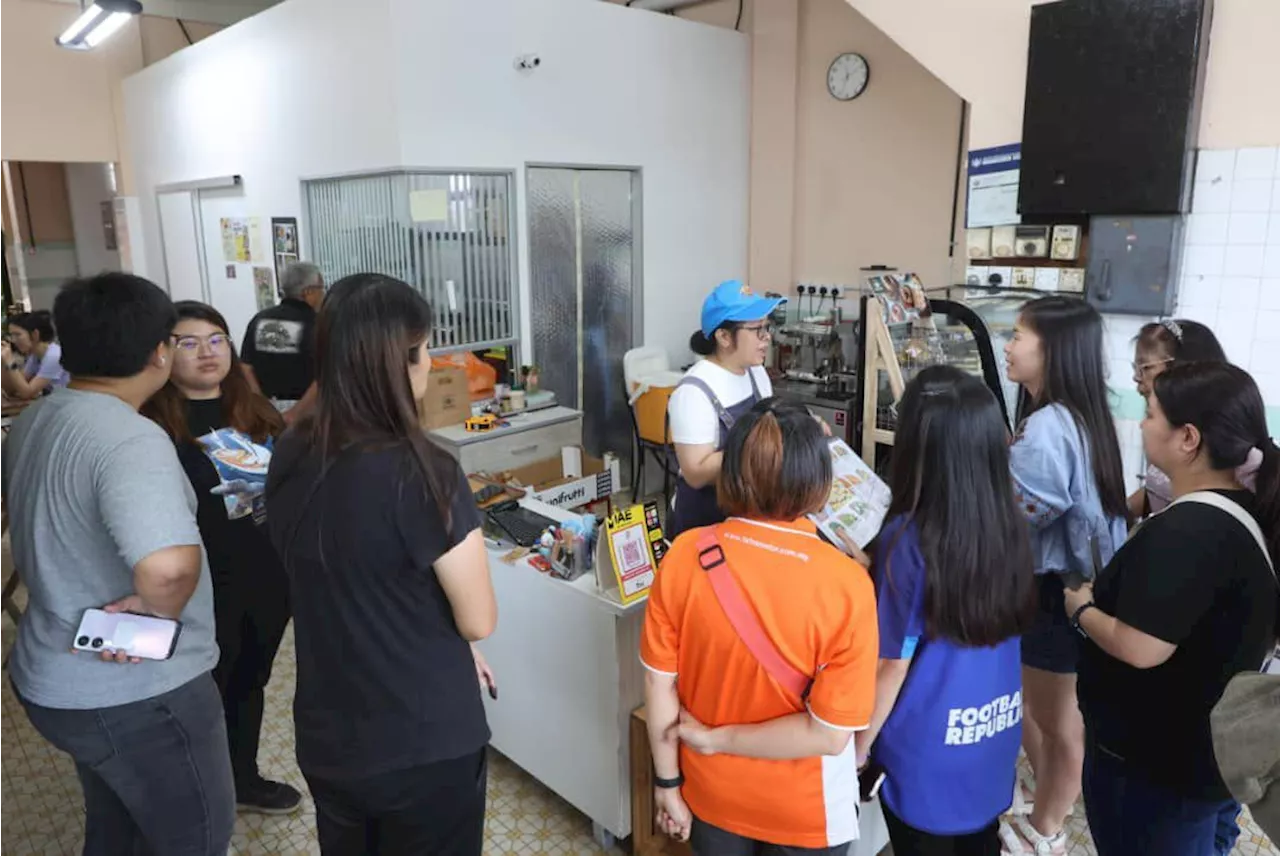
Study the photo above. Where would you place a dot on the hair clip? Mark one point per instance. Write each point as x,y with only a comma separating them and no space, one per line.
1174,328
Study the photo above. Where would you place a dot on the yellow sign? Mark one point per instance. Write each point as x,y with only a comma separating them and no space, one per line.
631,550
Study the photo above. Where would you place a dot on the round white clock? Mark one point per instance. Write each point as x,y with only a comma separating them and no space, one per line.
848,76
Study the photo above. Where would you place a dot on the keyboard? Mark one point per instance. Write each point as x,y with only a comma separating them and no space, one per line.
523,526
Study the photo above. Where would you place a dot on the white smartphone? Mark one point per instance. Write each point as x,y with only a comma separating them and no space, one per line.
144,636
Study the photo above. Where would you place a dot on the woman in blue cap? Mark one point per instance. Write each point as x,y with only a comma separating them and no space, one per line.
714,393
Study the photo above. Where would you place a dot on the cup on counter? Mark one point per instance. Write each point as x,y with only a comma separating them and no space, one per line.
517,400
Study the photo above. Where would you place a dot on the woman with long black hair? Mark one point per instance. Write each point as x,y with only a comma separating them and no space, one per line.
390,581
954,592
1188,603
1069,478
224,431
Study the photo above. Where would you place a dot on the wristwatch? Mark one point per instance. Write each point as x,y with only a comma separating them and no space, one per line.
1075,617
668,784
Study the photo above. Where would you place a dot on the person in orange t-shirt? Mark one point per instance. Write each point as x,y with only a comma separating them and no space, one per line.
817,608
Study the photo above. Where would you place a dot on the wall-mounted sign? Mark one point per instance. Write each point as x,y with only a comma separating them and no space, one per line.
993,186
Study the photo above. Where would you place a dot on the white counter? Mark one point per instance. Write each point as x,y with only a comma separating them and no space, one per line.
568,667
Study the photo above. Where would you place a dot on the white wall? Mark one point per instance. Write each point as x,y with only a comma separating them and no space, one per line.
302,89
616,87
316,87
88,186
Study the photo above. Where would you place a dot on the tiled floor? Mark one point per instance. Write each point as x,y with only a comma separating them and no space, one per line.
42,811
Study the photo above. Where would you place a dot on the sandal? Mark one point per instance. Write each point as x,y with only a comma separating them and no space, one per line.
1023,794
1019,838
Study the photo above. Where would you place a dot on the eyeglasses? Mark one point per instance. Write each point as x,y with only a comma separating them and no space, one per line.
217,342
1140,369
763,331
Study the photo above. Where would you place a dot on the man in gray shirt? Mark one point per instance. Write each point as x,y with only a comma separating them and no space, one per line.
103,516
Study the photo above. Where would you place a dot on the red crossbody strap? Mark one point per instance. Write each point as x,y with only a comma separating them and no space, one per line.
743,618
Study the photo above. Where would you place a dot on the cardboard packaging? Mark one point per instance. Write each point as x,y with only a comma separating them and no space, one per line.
573,480
448,399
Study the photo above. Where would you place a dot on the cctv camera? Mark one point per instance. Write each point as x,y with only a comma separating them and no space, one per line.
528,62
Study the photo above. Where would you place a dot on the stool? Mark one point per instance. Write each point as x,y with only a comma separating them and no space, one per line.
646,838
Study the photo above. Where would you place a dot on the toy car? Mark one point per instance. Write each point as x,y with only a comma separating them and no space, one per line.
482,423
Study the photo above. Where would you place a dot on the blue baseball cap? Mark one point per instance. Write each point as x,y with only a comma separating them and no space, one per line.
734,301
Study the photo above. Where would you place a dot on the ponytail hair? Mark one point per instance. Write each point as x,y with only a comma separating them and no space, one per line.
1224,404
704,345
701,345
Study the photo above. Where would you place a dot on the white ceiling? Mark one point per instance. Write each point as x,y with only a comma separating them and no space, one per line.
207,11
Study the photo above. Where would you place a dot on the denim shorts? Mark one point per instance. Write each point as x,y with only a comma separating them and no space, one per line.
1052,644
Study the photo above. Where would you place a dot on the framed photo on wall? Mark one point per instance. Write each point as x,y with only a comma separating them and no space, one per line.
285,246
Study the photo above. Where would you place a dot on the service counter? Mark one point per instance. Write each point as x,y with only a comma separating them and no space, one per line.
566,656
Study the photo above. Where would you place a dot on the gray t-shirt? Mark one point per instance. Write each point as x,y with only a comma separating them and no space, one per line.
92,488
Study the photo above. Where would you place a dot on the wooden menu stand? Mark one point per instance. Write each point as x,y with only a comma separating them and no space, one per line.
879,357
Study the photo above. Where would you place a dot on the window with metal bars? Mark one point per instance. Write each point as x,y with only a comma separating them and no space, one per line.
451,235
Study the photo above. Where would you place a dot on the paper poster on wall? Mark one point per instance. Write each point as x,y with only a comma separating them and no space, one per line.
264,287
429,205
236,243
993,186
284,243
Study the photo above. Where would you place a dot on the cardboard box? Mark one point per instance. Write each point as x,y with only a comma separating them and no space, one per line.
448,400
573,480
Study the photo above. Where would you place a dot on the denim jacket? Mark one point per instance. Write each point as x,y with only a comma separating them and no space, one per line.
1054,482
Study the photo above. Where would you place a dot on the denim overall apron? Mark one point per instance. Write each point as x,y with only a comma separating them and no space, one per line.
697,507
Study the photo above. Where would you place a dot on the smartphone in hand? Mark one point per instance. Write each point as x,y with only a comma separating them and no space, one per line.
147,637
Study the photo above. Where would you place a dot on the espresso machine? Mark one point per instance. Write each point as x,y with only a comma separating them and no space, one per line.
809,363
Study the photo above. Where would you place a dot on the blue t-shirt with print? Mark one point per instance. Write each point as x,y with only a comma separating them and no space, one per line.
950,745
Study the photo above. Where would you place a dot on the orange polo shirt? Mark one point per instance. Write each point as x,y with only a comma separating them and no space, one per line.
818,608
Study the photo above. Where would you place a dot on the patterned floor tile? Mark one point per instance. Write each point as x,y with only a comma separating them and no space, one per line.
41,811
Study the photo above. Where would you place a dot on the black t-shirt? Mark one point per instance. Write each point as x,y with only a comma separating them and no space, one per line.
238,549
1194,577
385,680
278,344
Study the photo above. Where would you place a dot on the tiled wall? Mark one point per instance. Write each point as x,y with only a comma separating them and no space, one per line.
1230,279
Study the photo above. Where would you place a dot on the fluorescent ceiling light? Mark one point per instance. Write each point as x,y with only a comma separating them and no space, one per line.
98,22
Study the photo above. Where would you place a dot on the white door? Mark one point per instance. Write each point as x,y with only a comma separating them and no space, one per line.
229,275
180,240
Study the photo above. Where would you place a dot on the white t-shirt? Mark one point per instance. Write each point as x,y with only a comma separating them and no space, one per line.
693,417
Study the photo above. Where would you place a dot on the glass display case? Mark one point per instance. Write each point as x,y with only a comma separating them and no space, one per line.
893,351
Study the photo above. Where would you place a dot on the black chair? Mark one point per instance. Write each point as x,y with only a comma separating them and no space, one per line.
663,453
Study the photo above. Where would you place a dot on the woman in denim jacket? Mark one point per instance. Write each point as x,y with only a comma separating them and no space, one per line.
1069,480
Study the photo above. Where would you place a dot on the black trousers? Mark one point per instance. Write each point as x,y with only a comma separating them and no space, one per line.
154,772
708,840
913,842
251,616
436,808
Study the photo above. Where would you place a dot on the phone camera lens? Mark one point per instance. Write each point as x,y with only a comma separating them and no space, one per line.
82,641
97,642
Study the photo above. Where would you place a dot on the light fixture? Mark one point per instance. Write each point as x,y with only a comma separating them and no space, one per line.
97,23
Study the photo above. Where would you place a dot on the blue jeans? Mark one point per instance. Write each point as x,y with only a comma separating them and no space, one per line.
1129,815
156,774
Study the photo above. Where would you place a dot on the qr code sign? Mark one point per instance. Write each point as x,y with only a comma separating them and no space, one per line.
632,556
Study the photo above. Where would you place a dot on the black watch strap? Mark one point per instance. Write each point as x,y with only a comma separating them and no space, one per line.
668,784
1076,616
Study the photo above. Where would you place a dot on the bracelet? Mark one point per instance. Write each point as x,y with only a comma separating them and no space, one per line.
1075,618
668,784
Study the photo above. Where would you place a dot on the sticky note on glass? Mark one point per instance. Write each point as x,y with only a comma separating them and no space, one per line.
429,205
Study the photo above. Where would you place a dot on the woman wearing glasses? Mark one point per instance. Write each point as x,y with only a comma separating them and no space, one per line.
224,432
1159,345
715,393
